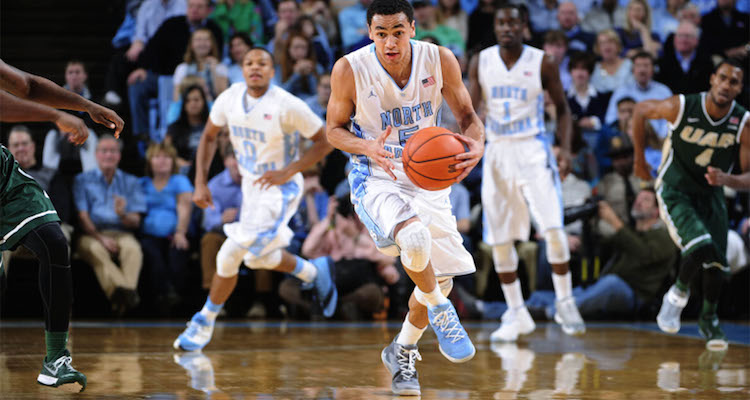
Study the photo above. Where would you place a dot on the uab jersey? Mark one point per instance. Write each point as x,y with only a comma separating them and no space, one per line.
696,141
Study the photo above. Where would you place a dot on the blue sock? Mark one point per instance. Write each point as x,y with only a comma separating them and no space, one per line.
210,310
304,270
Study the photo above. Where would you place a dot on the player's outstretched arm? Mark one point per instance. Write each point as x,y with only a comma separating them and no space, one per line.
460,102
40,90
205,154
551,83
649,109
717,177
340,108
14,109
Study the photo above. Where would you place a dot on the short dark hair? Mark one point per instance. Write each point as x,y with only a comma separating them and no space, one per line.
731,61
643,54
265,50
624,99
582,60
244,37
390,7
556,36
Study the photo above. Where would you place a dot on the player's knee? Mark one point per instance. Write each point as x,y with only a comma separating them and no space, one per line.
505,258
446,285
415,242
557,246
228,259
268,261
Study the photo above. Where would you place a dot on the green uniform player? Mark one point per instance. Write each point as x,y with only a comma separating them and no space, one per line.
23,204
27,216
708,136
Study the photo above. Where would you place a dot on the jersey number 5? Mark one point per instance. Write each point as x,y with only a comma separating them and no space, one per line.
704,158
405,134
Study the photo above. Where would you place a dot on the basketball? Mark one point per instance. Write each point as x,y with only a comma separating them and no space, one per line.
429,158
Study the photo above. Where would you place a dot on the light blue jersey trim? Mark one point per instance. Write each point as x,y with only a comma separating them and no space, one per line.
413,66
289,191
552,166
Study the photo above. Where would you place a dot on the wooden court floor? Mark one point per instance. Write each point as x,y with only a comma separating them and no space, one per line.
277,360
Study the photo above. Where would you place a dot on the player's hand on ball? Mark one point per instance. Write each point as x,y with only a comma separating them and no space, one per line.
471,158
202,196
715,176
377,152
641,170
77,131
271,178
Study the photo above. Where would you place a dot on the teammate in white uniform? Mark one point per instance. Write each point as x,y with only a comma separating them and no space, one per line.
386,92
519,174
265,124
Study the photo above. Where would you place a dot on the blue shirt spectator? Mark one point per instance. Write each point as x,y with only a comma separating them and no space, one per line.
152,13
226,193
640,88
541,17
460,207
161,218
353,23
93,194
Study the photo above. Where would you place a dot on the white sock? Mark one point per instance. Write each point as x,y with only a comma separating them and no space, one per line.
563,285
305,270
409,334
434,298
513,294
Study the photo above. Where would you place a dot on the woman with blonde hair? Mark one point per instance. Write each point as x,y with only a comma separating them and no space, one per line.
612,70
164,241
202,58
637,33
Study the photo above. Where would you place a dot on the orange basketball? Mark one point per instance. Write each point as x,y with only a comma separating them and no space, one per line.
429,158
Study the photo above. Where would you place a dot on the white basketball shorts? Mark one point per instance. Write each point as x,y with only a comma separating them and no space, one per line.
519,176
383,204
264,218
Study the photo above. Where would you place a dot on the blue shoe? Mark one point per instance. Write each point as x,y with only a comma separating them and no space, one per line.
453,339
325,288
196,336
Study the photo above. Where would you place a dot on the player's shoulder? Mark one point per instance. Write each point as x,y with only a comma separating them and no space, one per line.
233,91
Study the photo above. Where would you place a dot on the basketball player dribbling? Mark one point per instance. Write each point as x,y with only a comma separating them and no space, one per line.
510,79
387,91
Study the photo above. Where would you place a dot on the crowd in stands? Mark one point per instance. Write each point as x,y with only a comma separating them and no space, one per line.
153,252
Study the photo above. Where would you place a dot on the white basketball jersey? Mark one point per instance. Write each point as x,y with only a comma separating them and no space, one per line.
382,103
264,132
514,98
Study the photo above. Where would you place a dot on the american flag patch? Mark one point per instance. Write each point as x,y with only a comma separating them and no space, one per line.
267,117
526,73
428,81
734,120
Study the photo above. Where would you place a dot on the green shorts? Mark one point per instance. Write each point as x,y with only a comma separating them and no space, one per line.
695,219
25,206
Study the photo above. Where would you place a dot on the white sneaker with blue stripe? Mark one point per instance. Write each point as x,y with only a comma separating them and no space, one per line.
453,340
196,336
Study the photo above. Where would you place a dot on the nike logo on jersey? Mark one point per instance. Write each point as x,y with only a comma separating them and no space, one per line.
693,119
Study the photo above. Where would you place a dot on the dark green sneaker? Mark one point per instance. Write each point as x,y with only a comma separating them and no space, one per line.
708,325
59,372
